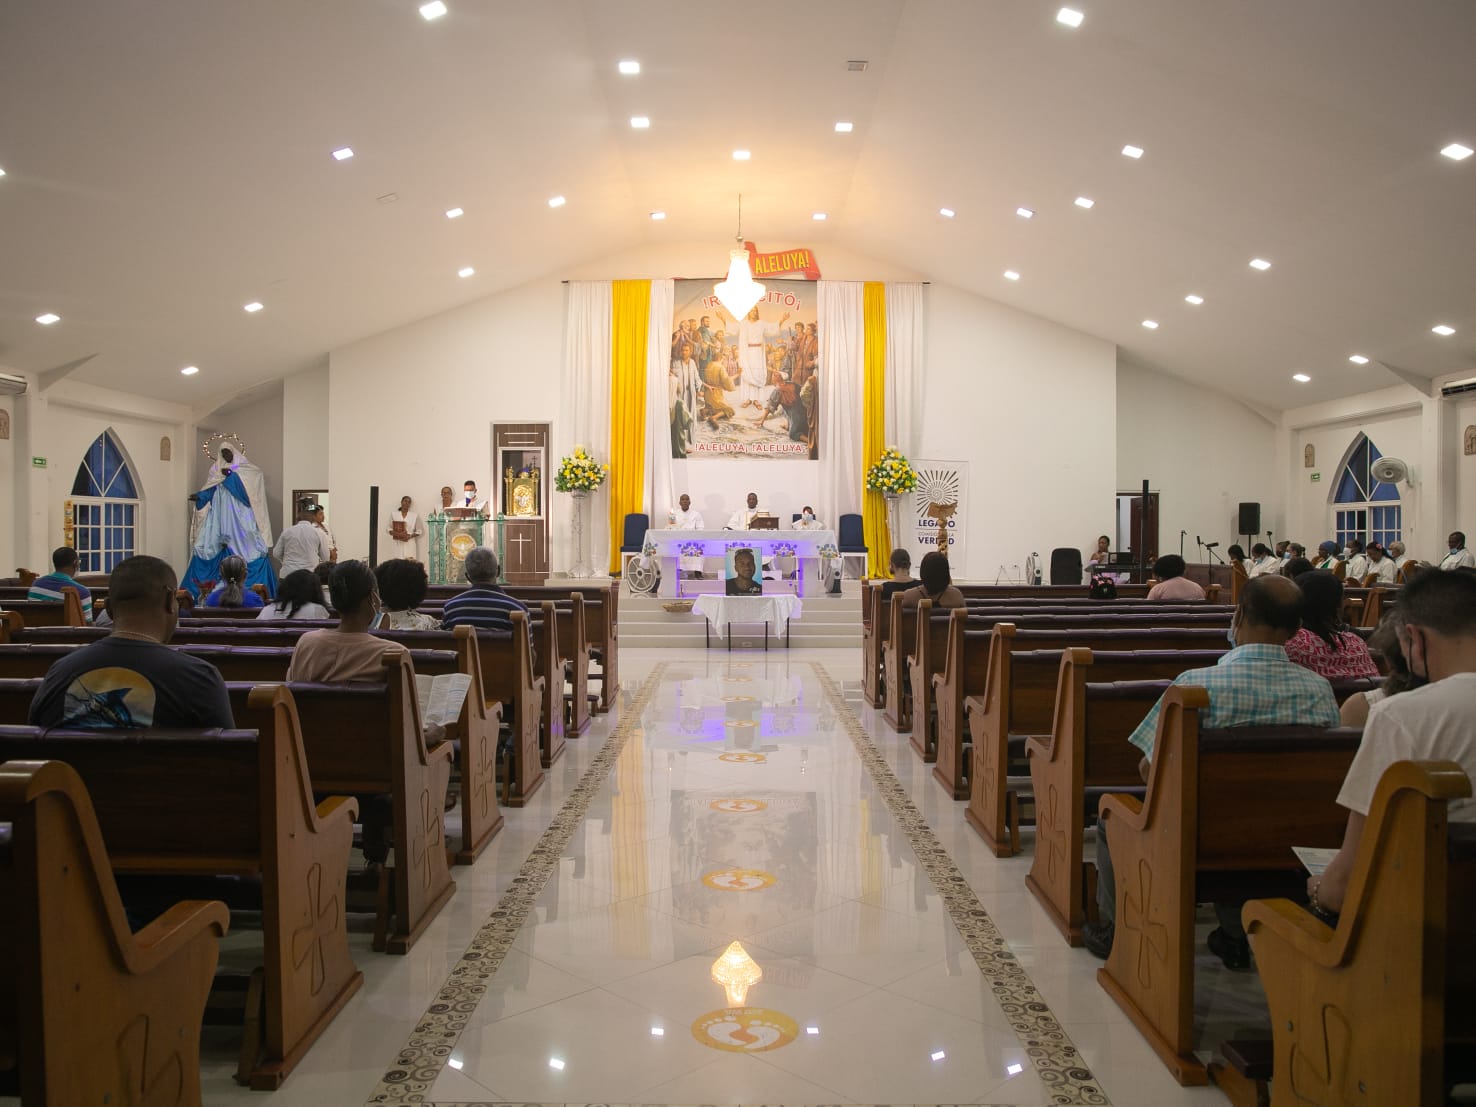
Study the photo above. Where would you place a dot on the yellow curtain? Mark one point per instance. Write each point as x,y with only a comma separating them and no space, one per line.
873,421
630,310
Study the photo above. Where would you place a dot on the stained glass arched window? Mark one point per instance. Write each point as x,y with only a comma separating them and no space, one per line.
1364,507
105,506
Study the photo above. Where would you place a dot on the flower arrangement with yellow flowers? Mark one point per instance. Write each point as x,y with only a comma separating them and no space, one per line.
580,473
892,475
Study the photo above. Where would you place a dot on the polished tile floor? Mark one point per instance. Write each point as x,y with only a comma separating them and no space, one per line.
729,892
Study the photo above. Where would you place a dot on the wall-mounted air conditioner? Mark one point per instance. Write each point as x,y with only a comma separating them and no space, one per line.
11,385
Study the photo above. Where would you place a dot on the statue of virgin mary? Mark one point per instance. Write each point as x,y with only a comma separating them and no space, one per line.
231,517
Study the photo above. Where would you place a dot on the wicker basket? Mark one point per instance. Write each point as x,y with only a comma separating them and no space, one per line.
677,607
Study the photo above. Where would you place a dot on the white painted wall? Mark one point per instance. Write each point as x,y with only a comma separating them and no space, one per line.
1205,454
8,527
1464,408
1032,406
305,432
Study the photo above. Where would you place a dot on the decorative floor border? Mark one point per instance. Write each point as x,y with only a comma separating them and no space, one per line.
424,1054
1057,1061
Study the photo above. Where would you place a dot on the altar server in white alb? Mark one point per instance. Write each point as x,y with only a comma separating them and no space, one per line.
404,531
807,520
686,517
741,518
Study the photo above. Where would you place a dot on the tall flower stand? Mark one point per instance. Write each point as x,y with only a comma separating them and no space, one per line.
580,529
894,521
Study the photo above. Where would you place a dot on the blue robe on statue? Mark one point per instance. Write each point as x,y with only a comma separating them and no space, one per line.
229,527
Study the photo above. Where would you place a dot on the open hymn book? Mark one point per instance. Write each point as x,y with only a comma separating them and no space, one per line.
441,697
1315,859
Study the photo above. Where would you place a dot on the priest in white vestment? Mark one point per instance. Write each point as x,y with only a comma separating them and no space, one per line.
753,356
741,518
685,517
404,531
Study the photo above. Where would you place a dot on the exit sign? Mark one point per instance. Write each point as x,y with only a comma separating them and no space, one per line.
38,463
1316,477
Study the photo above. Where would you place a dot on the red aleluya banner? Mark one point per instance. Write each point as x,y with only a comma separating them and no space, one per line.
800,260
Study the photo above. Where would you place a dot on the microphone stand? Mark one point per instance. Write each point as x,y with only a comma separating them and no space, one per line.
1216,556
1199,541
1183,534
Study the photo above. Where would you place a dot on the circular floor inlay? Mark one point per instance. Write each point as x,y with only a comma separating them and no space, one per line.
738,806
739,880
743,758
745,1029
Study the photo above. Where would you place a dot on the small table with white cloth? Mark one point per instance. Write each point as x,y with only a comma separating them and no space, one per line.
724,611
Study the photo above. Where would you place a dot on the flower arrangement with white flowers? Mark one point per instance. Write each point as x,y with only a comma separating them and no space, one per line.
892,475
580,473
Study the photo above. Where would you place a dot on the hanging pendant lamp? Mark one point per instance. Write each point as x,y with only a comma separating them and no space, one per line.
740,291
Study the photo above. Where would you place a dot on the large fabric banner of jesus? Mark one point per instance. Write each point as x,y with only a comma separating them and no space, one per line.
744,387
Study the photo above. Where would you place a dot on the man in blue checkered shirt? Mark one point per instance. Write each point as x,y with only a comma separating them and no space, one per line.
1254,684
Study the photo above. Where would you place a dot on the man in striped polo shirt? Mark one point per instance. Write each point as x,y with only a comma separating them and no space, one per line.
483,605
64,571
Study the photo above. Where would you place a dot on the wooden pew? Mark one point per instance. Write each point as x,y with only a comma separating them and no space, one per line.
929,651
367,739
543,625
238,803
1025,705
89,1011
507,669
49,613
1220,814
601,616
574,647
1377,1003
875,630
901,637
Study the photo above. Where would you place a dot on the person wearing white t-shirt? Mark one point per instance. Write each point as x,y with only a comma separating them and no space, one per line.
1459,557
1262,562
1356,561
1380,564
1437,634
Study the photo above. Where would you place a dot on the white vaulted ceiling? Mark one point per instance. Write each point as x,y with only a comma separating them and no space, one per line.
168,162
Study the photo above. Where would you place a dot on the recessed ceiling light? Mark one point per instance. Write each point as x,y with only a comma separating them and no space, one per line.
434,10
946,213
1025,213
819,217
856,65
343,153
1069,16
630,68
466,271
1193,299
190,370
741,155
1150,324
1443,330
1132,151
658,1032
454,213
49,318
556,1063
1457,152
658,216
1301,378
640,122
1260,263
937,1055
253,307
1011,275
556,201
1083,202
844,128
1358,359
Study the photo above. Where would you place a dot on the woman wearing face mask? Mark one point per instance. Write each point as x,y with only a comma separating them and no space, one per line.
1326,644
807,520
1356,560
347,653
1458,557
1386,640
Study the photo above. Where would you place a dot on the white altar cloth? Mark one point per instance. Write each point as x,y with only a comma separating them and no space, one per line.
669,544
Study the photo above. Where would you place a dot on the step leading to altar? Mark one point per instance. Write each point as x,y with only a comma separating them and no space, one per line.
828,622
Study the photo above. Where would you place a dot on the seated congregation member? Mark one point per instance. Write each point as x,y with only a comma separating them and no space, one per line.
1262,561
1356,560
402,588
232,590
347,653
484,605
132,678
1295,567
936,584
1325,644
1327,556
902,579
1236,554
1282,548
1385,641
743,582
1254,684
1172,583
1456,557
1380,564
1295,549
299,596
1398,555
1437,722
64,563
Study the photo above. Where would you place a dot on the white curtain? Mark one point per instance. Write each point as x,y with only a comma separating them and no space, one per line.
658,496
842,342
906,338
587,399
